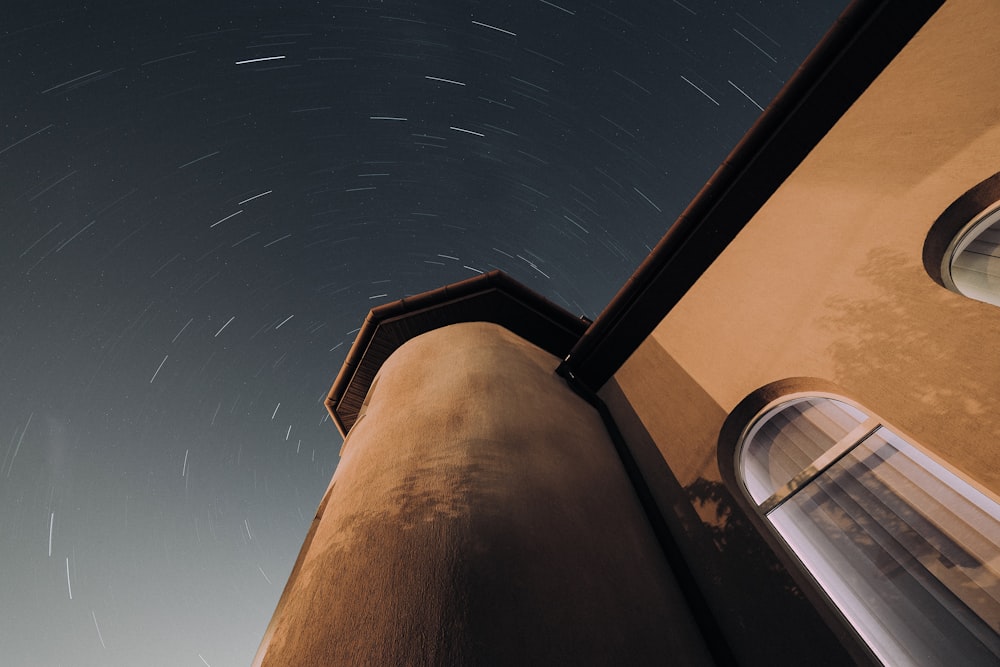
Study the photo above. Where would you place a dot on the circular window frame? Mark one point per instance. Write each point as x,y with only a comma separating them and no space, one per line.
961,241
956,225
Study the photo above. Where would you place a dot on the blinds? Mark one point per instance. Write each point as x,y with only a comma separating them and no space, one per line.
907,550
789,438
975,261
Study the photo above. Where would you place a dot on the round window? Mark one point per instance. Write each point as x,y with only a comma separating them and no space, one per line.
971,265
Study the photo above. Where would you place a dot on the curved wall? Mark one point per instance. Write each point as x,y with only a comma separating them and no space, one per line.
479,516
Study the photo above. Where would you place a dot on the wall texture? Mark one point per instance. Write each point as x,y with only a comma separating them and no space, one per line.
671,426
827,281
479,516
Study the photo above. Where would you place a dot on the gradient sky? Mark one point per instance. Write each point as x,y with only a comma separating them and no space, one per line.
199,202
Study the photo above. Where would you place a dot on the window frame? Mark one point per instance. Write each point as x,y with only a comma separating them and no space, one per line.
953,226
962,240
837,451
732,439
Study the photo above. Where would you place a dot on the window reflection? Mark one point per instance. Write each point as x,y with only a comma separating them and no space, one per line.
907,550
790,439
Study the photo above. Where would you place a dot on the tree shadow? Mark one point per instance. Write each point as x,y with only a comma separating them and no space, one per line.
921,353
731,533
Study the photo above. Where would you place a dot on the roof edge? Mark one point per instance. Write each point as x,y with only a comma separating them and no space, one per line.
449,294
862,42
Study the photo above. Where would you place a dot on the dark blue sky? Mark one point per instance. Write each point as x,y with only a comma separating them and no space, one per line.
199,202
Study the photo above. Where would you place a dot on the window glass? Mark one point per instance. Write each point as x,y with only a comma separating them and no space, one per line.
908,551
974,260
790,437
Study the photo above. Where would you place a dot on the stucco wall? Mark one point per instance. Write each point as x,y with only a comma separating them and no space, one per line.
671,426
479,516
827,279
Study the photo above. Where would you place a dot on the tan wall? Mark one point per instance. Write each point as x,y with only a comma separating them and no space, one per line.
827,279
671,426
479,516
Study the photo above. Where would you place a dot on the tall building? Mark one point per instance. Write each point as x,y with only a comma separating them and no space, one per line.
779,444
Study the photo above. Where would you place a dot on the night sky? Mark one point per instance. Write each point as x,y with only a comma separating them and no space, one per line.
199,203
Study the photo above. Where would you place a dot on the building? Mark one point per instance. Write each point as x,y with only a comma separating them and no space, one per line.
778,444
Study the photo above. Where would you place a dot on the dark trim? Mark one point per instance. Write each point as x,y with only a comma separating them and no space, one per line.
863,41
712,634
491,297
954,219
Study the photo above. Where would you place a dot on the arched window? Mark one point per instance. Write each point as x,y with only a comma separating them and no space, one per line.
907,550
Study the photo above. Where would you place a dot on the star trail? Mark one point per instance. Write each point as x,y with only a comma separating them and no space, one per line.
200,201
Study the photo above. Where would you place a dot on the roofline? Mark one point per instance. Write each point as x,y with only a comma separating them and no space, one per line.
449,294
862,42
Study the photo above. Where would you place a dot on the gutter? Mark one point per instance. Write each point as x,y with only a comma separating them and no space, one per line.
862,43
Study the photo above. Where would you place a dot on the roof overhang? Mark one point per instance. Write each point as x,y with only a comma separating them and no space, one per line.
492,297
860,45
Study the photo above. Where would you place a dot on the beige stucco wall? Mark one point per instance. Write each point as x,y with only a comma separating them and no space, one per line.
827,279
479,516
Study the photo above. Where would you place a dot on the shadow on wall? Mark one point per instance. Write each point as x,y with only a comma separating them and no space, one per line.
920,352
730,533
762,612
